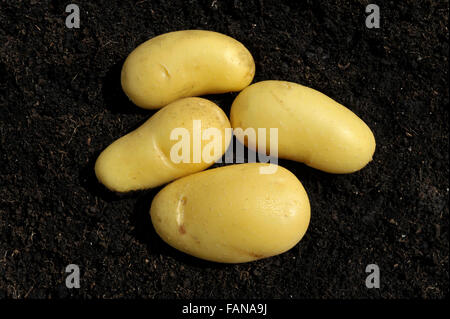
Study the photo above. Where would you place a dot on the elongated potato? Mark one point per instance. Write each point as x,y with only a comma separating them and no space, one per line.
232,214
312,128
144,158
185,63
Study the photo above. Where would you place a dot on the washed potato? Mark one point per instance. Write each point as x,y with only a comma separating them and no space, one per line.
171,144
185,63
232,214
312,128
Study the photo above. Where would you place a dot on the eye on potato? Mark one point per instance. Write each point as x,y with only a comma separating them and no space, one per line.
232,214
312,128
142,159
183,64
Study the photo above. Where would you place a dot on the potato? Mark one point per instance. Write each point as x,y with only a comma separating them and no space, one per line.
312,128
185,63
232,214
143,158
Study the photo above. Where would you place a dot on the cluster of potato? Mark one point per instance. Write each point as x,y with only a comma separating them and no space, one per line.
233,213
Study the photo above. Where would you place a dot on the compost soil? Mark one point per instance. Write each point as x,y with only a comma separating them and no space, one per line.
62,104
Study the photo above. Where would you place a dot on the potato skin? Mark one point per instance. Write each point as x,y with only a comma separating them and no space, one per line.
185,63
312,128
232,214
141,159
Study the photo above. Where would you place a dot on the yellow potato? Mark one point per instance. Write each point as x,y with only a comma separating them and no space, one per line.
143,158
232,214
312,128
185,63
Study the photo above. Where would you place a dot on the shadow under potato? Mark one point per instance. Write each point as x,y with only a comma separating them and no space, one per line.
88,180
115,99
118,103
140,217
146,234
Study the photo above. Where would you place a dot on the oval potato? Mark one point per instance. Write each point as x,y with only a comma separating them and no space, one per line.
183,64
232,214
312,128
142,159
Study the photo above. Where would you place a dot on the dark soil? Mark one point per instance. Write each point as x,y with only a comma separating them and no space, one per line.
61,104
